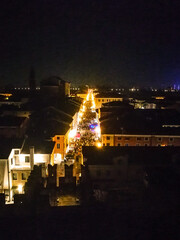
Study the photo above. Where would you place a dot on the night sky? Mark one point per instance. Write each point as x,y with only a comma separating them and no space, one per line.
117,42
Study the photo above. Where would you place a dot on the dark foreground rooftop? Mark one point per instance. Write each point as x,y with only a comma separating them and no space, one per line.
154,221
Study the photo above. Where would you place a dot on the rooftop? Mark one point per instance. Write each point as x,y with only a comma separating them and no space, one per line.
40,146
142,121
108,95
11,121
134,155
118,104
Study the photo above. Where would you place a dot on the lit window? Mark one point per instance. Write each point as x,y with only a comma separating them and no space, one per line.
27,159
23,175
58,145
14,176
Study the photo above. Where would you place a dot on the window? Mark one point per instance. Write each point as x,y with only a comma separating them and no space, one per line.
14,176
27,159
99,100
146,139
126,145
126,138
102,100
119,138
159,139
119,144
137,144
23,176
58,145
98,173
138,138
107,138
12,161
108,144
171,139
58,138
103,144
16,152
146,145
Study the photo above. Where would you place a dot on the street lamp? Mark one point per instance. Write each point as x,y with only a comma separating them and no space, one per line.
99,145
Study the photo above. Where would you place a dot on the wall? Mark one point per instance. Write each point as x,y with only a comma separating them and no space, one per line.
100,101
3,175
120,174
63,141
140,140
20,180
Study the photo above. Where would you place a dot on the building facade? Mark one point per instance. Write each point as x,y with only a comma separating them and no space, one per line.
140,140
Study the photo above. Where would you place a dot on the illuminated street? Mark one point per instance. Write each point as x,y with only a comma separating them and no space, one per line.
87,133
88,130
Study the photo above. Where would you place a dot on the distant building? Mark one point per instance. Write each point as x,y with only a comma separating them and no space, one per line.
115,107
107,97
141,128
55,87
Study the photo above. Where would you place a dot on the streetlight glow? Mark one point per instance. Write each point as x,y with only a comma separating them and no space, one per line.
20,188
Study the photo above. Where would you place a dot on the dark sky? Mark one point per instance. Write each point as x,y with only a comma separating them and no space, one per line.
112,42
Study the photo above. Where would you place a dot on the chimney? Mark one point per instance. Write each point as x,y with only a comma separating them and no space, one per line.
32,157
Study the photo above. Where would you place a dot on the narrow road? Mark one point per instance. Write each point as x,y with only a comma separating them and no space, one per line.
88,129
